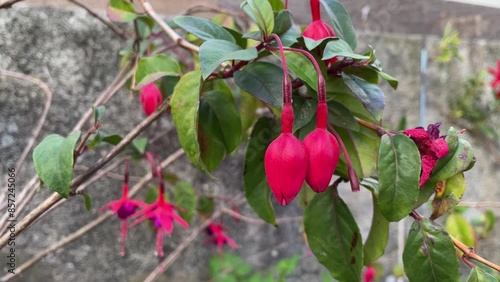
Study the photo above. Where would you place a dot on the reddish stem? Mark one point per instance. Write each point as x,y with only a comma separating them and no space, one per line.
315,11
287,84
353,176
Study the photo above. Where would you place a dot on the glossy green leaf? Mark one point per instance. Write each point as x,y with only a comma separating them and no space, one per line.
370,95
238,37
263,81
478,274
214,52
282,22
185,105
341,22
301,66
341,116
262,13
367,74
222,104
184,198
340,48
53,159
210,137
458,227
391,80
334,236
140,144
290,36
248,110
277,5
98,113
257,190
203,28
304,110
88,201
155,67
121,11
425,193
458,162
429,254
377,238
112,139
399,175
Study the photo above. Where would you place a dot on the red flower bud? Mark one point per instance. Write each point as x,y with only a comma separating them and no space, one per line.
369,274
150,98
323,152
285,161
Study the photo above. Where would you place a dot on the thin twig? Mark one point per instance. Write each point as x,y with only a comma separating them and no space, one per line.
41,119
252,220
109,174
109,24
204,8
8,4
168,30
471,254
54,198
91,225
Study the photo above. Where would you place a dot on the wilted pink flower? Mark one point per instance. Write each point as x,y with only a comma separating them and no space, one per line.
150,98
431,147
162,215
218,237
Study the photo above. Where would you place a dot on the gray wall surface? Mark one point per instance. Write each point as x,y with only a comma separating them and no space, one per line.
78,57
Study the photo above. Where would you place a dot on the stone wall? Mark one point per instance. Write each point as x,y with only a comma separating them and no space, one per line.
79,57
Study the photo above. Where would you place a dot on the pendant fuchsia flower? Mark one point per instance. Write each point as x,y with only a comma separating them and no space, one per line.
162,215
496,78
218,237
318,29
124,208
431,146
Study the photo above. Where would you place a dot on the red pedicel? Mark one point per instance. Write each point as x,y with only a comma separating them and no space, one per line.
285,161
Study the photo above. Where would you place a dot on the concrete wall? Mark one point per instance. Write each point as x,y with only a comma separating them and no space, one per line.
78,56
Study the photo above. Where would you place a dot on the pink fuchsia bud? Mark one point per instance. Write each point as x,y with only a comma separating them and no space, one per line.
369,274
150,98
218,237
318,30
323,152
285,161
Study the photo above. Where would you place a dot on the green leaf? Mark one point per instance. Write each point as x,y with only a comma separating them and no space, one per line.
341,22
112,139
185,104
429,254
140,144
305,111
88,201
458,162
210,137
277,5
121,11
214,52
263,81
290,36
282,22
377,238
399,175
257,190
301,66
222,104
203,28
185,198
341,116
153,68
205,205
248,110
454,188
333,236
340,48
287,266
391,80
262,13
242,42
368,74
98,113
370,95
458,227
53,159
478,274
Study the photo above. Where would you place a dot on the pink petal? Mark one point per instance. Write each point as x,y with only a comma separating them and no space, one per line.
440,148
428,164
417,134
166,223
231,243
123,236
159,242
180,220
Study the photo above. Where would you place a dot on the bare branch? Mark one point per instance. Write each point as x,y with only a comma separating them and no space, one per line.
168,30
8,4
109,24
